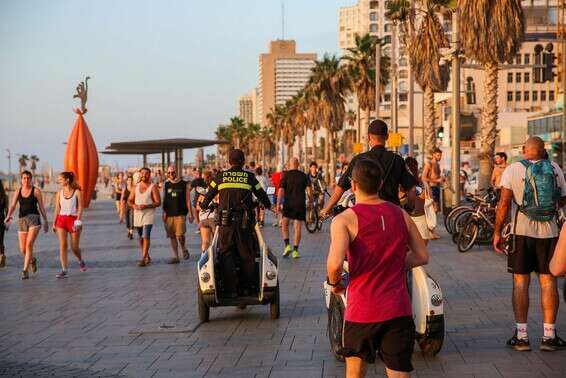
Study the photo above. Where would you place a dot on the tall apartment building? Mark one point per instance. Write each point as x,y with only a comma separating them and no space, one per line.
282,73
247,108
368,16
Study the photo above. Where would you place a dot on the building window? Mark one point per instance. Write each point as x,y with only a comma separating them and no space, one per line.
543,95
373,16
550,95
387,28
373,28
374,5
403,62
509,77
470,91
403,97
527,59
518,96
535,95
403,74
387,39
526,95
509,96
527,77
518,59
517,77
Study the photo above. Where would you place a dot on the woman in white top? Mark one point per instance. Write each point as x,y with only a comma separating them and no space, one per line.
206,217
68,212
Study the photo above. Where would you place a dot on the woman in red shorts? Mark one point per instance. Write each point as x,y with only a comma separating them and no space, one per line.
68,212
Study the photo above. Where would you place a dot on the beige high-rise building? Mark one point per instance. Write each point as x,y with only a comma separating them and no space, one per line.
282,73
247,108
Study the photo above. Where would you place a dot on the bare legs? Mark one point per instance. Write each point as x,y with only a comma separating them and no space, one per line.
297,227
549,297
26,241
205,236
75,240
357,368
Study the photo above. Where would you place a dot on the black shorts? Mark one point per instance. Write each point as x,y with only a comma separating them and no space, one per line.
531,255
294,213
393,340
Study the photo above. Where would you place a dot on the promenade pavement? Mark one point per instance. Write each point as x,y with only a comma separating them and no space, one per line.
120,320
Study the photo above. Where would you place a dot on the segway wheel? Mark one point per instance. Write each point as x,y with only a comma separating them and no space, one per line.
203,308
430,345
336,325
274,310
312,221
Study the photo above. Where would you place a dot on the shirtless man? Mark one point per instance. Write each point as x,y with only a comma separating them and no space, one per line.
500,165
432,176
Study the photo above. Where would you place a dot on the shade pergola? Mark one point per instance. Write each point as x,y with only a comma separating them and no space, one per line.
160,146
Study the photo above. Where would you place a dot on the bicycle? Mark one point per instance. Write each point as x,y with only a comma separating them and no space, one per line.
454,220
478,227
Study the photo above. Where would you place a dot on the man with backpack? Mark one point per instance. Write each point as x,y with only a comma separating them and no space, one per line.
537,189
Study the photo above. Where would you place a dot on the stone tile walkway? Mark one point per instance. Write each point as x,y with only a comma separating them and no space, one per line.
109,321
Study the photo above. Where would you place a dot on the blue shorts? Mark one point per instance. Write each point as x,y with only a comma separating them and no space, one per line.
435,191
145,231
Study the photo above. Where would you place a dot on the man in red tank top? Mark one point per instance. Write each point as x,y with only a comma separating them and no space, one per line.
374,235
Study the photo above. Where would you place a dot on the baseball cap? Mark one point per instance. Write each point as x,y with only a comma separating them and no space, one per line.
236,157
377,127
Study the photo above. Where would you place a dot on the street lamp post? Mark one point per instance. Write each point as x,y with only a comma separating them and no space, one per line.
411,98
377,77
394,110
455,130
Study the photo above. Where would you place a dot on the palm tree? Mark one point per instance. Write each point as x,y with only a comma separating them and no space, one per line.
360,66
34,159
23,161
330,84
424,36
238,131
491,33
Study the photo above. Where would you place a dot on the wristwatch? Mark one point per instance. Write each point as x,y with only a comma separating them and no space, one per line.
331,284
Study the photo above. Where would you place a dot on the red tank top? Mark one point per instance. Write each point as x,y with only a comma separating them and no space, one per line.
377,290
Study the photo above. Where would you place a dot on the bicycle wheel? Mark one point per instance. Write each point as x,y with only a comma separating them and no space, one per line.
451,217
468,235
485,233
461,220
312,220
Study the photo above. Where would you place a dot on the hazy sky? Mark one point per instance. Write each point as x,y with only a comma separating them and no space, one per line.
159,69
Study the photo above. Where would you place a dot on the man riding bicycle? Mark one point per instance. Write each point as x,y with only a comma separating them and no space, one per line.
317,184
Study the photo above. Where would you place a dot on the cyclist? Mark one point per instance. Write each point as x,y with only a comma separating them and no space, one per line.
317,184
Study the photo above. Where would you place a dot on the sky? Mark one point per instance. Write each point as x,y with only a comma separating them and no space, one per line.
159,69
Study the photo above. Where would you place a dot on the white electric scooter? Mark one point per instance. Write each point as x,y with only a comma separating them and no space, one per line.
210,280
426,297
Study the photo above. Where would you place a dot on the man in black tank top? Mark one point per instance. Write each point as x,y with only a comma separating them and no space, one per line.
176,206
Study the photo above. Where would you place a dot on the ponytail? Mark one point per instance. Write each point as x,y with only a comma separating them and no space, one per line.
70,176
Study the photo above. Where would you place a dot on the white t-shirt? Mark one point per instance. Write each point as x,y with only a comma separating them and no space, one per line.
513,178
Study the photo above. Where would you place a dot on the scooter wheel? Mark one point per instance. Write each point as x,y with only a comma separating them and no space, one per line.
274,310
336,325
431,345
203,308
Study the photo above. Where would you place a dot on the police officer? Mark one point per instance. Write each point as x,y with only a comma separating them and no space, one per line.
236,221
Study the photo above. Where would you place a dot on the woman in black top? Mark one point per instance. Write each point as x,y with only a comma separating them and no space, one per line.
31,205
3,211
127,214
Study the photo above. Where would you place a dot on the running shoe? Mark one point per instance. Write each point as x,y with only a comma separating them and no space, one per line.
186,254
61,275
550,345
296,254
82,266
24,275
287,251
130,235
2,260
34,265
520,345
173,260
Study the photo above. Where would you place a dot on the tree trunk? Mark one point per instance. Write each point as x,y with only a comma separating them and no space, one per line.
305,146
326,154
430,122
359,131
332,157
313,144
488,129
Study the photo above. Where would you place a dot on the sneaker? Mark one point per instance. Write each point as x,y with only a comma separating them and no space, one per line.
130,235
520,345
34,265
287,251
24,275
141,263
82,266
2,260
186,254
550,345
173,260
61,275
296,254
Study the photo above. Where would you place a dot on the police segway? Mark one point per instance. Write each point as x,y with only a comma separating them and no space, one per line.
210,283
426,298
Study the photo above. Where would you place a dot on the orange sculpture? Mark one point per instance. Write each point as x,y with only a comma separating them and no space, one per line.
81,156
